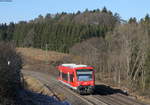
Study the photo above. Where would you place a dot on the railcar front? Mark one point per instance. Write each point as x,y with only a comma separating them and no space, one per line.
85,80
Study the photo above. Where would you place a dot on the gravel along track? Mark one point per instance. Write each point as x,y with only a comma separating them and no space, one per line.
76,99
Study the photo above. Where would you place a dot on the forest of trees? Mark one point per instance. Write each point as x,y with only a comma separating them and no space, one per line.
60,31
119,50
122,57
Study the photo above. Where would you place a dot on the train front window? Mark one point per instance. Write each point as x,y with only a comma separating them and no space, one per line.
84,75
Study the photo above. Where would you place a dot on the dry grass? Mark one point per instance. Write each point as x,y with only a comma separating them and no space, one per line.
36,86
39,60
41,55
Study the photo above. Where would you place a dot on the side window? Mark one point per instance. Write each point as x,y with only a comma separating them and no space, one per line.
59,74
64,76
71,77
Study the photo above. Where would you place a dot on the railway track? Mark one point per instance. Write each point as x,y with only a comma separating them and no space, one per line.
120,98
76,99
57,87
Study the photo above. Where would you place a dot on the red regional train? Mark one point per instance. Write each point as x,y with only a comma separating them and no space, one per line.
78,77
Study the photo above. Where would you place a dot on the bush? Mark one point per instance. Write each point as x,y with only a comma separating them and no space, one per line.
10,66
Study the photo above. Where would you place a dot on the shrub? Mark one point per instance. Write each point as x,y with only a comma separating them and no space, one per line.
10,66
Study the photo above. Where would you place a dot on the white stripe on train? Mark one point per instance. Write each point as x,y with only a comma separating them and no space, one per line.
68,85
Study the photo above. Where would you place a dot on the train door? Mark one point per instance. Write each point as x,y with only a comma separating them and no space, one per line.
60,75
68,77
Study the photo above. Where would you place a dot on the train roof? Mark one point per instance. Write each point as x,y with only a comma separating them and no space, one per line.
73,65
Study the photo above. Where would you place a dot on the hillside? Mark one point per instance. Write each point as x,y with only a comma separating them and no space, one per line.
41,55
35,61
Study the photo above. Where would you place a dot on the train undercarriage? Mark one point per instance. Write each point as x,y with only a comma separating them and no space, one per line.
85,89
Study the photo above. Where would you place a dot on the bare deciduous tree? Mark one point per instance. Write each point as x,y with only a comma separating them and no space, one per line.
120,57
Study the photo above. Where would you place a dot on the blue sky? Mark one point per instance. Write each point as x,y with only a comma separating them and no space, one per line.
18,10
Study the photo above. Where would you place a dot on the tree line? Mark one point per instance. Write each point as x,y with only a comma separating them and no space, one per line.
122,58
60,31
